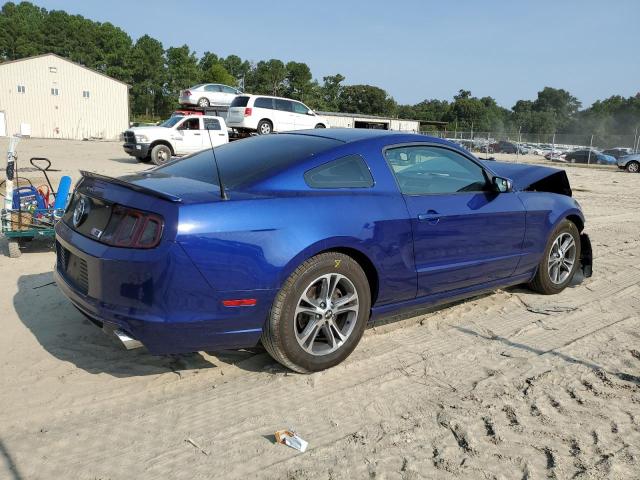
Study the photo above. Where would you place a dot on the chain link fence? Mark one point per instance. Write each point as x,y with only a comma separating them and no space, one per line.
552,146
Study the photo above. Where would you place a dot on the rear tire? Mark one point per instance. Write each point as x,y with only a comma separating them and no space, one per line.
554,272
203,102
265,127
633,167
160,154
310,329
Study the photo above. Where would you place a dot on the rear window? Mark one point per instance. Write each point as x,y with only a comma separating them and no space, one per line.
240,101
248,161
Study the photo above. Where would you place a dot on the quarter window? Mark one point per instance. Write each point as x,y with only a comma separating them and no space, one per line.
346,172
422,170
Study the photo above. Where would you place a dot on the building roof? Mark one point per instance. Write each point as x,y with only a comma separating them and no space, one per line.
66,60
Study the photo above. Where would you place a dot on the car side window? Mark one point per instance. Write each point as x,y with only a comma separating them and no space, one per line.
300,108
284,105
424,170
212,124
190,124
262,102
212,88
226,89
346,172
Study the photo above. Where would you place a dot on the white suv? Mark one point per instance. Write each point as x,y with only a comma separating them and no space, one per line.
264,114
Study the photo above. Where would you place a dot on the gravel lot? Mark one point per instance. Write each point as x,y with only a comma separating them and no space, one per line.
507,385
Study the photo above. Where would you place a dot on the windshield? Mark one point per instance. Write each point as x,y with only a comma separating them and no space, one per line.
172,121
251,160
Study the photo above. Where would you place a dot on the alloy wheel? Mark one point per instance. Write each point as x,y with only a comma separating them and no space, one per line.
562,257
326,314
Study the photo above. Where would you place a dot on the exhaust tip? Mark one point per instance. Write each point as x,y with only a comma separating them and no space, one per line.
128,342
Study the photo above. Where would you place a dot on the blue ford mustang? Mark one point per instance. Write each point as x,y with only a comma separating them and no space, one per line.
297,240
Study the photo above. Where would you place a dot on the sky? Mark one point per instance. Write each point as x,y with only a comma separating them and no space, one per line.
413,49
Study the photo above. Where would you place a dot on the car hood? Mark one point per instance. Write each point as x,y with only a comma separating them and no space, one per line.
532,177
149,130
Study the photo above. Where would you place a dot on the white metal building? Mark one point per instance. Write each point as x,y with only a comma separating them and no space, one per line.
48,96
356,120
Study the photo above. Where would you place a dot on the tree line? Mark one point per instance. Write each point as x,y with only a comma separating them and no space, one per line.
157,74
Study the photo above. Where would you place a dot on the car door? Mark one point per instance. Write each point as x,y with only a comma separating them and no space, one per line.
301,117
190,138
465,234
213,93
283,115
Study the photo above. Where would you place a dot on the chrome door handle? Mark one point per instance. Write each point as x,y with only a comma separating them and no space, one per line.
431,217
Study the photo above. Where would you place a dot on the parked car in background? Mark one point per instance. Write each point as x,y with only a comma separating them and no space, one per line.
208,94
535,150
630,163
264,114
556,155
179,135
503,147
303,238
618,152
589,156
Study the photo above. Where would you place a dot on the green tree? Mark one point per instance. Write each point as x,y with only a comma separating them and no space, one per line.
182,69
148,73
267,77
236,67
366,99
21,30
298,80
330,91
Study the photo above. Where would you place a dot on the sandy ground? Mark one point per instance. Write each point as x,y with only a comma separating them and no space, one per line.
508,385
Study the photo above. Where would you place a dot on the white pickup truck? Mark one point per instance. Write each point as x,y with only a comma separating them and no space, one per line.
180,135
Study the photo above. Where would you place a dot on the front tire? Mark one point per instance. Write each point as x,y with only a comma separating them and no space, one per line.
160,154
633,167
560,260
319,314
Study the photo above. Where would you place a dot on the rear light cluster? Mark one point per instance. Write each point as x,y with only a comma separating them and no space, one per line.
247,112
132,228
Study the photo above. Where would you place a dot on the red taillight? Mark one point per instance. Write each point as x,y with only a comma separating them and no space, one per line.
240,302
131,228
247,112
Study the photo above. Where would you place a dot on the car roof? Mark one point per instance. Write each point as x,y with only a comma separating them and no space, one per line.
348,135
269,96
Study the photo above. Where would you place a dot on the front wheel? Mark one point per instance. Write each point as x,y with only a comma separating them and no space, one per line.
160,154
633,167
319,315
560,260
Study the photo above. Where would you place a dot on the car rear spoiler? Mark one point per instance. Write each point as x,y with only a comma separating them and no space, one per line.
131,186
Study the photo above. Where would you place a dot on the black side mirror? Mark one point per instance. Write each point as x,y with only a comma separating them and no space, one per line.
502,185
